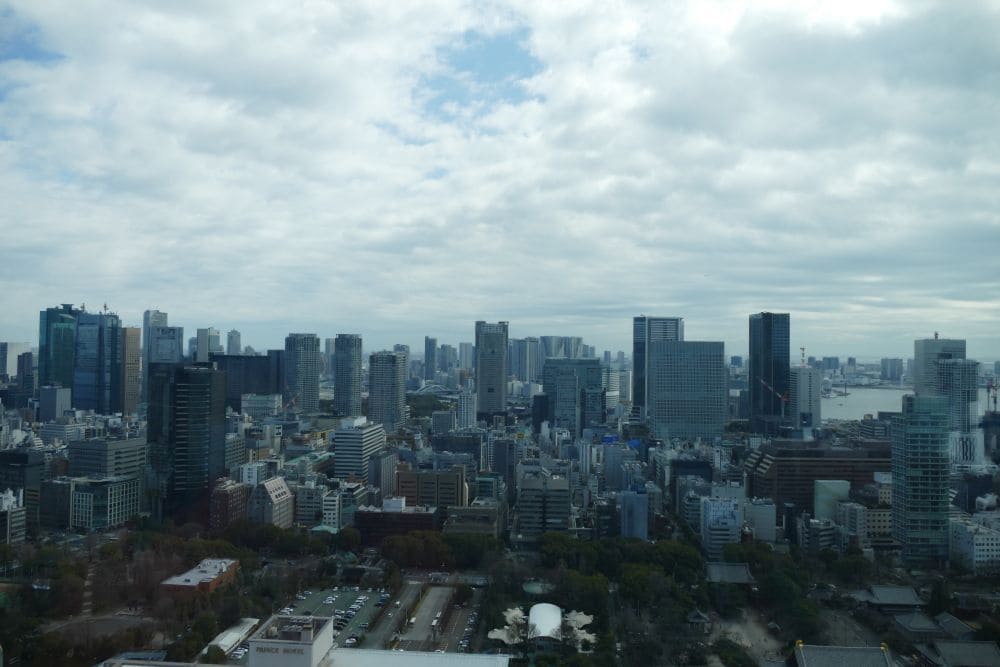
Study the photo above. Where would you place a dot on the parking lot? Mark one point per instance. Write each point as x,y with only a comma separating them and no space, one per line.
461,628
353,608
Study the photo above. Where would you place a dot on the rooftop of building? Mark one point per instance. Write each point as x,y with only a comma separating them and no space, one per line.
894,596
964,653
807,655
728,573
292,629
375,658
916,621
207,570
409,509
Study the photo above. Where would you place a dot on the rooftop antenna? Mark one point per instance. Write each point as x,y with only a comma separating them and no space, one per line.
803,350
935,335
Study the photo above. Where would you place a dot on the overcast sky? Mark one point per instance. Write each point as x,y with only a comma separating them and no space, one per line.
396,170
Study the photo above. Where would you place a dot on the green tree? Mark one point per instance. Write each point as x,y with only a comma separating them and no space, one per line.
214,656
940,597
349,539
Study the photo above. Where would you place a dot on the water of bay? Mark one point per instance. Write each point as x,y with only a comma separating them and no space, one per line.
868,400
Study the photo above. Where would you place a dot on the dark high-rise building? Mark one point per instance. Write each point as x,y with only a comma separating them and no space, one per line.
153,319
569,383
97,368
302,364
430,357
646,330
8,358
768,370
491,368
387,390
246,374
186,434
26,373
161,345
57,345
347,375
53,402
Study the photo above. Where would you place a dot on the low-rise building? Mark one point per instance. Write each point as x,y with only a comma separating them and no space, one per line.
205,577
394,517
482,517
974,546
13,517
720,525
272,502
228,503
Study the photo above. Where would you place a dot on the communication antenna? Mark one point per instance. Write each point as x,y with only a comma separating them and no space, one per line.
803,350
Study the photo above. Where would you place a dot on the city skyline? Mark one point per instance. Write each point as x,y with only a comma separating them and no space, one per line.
414,339
424,165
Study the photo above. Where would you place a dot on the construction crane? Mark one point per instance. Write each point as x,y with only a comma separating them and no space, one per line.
782,397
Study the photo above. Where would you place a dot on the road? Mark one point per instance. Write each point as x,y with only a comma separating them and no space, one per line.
394,617
843,630
421,636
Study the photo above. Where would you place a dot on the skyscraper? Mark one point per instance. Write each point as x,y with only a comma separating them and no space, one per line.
347,375
491,368
97,371
804,397
126,399
927,353
569,383
466,409
920,479
150,319
466,356
647,330
387,390
405,351
686,389
233,345
447,358
768,370
57,345
208,342
958,382
186,434
355,447
430,357
162,345
523,359
302,364
8,357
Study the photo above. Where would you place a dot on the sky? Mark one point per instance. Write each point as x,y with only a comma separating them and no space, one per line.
401,169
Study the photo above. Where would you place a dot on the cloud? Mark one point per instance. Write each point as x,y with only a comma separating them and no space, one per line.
402,169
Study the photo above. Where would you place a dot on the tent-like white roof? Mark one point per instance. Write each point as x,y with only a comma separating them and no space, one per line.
545,620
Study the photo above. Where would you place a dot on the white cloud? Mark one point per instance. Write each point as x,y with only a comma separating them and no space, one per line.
273,168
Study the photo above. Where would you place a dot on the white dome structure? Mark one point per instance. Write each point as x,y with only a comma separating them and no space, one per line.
545,620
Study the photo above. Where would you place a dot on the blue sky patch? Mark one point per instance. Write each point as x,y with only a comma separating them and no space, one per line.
479,72
20,40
